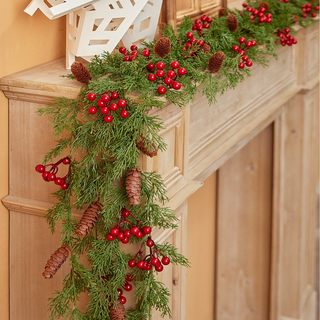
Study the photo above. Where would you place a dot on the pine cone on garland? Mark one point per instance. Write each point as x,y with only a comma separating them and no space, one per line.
162,46
150,151
80,72
133,186
118,312
215,62
88,219
232,22
55,262
222,12
265,5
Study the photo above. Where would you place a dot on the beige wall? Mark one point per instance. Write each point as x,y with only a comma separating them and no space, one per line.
25,42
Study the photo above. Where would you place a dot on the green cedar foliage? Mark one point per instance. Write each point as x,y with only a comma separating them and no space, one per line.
103,153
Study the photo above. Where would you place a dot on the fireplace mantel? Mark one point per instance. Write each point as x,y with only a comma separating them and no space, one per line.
200,139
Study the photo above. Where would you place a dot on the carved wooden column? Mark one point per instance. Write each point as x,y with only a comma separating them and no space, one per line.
262,142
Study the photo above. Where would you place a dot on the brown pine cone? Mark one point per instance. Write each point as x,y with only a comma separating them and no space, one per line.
222,12
162,47
150,151
55,262
80,72
265,5
88,219
215,62
133,186
118,312
232,22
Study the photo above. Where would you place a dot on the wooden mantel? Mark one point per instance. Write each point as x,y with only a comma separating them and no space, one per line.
200,139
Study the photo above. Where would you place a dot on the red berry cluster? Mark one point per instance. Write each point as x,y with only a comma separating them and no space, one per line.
125,229
155,259
258,15
203,23
51,173
132,55
241,49
286,38
127,287
108,102
309,10
193,43
158,72
284,1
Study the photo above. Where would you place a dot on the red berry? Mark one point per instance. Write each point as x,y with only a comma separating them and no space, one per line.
235,48
146,52
175,65
134,230
244,58
127,233
155,261
176,85
126,58
124,114
110,237
132,263
105,98
168,81
160,65
152,77
146,230
160,73
40,168
140,264
113,107
313,14
45,175
316,8
64,186
125,240
150,243
101,103
249,63
139,235
248,44
241,52
127,286
114,231
92,110
203,17
162,90
242,40
171,74
182,71
122,50
150,67
114,95
129,277
200,42
244,5
159,267
241,65
133,48
58,181
165,260
253,43
122,299
122,103
120,236
104,110
125,213
209,19
120,291
51,177
91,96
189,35
108,118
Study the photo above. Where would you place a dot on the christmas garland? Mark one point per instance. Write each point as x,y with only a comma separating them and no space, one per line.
108,126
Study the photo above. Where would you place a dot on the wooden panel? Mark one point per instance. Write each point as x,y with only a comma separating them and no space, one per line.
244,232
295,207
201,251
31,244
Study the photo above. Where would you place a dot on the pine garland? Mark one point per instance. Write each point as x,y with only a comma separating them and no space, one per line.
104,151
